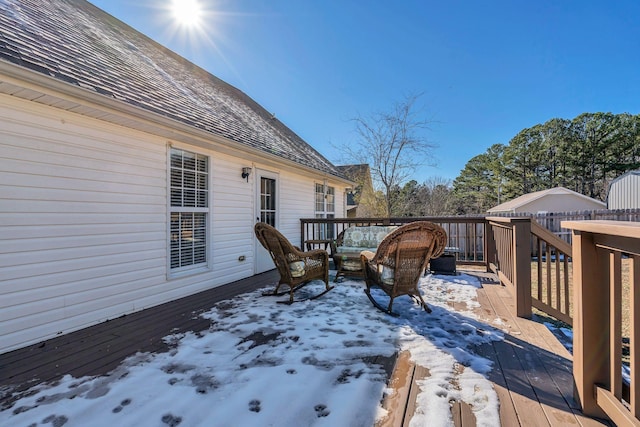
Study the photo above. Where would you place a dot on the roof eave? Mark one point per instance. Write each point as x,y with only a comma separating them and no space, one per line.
34,86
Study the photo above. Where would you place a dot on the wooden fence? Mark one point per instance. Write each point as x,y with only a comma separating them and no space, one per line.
552,221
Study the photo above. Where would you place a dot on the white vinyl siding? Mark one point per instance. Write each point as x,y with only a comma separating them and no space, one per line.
82,221
85,214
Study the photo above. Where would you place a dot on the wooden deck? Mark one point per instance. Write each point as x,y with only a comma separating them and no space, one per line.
99,349
532,371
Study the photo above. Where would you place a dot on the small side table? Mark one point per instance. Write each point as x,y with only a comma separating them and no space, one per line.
350,259
317,242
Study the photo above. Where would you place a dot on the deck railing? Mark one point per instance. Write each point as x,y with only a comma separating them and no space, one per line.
600,248
592,284
466,234
534,263
525,256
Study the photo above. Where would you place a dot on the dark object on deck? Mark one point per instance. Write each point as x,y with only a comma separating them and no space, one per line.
296,268
445,264
400,260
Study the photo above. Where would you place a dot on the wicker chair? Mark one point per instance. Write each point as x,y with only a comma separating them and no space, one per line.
296,268
401,259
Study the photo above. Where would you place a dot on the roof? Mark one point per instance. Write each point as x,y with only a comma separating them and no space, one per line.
74,42
621,177
525,199
357,174
354,172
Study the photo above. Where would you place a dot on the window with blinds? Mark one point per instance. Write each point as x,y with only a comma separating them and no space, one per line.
325,207
189,194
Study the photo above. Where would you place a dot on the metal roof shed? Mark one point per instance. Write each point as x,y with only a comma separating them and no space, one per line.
624,191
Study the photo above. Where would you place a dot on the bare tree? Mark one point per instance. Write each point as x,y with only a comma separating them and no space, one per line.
432,198
439,200
393,145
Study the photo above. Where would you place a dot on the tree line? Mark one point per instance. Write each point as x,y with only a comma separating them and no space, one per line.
583,154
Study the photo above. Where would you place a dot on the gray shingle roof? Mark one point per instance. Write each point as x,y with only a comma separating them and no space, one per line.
73,41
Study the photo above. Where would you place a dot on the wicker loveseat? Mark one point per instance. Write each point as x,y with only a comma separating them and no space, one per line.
346,249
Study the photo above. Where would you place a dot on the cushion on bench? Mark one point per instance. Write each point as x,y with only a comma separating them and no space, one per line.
357,239
360,238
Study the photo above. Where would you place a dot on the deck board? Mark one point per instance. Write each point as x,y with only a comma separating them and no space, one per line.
508,414
532,371
98,349
553,369
530,351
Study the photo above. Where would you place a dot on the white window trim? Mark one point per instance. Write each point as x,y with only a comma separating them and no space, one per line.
174,273
324,212
262,173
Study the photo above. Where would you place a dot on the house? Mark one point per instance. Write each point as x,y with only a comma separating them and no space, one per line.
624,191
361,198
129,176
557,199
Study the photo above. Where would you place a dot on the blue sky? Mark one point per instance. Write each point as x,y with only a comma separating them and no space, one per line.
485,69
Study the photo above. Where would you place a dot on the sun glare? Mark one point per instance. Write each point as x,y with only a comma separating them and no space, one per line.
188,13
193,27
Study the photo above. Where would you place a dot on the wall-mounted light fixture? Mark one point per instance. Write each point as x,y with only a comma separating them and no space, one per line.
245,173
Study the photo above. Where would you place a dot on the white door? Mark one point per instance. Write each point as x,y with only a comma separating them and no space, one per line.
267,211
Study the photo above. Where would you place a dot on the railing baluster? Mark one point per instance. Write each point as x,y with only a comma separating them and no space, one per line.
634,335
556,264
567,297
547,263
539,268
615,323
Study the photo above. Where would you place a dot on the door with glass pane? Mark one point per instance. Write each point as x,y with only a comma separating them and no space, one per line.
267,211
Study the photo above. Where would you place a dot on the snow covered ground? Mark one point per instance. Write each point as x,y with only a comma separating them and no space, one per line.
268,364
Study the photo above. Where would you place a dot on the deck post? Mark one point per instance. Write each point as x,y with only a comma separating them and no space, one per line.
522,265
489,245
590,322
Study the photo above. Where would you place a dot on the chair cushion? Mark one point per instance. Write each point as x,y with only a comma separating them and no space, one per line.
297,268
352,265
386,274
350,259
355,236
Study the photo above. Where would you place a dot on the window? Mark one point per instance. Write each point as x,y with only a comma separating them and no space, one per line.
189,194
268,200
325,202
